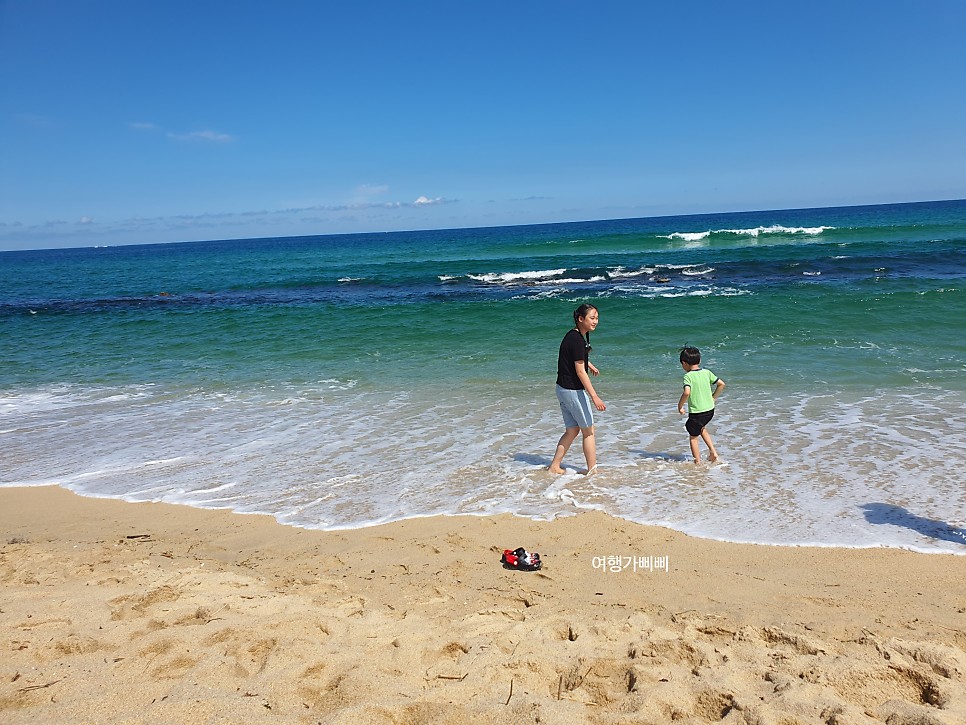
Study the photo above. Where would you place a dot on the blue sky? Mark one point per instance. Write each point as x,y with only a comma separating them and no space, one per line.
124,121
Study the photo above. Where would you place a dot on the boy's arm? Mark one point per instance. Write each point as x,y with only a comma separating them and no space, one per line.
719,385
683,402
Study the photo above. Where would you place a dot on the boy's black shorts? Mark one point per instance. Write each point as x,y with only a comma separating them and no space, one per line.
697,421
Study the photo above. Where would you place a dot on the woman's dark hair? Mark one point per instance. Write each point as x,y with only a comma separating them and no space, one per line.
690,356
582,312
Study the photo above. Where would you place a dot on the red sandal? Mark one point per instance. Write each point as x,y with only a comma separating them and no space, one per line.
521,559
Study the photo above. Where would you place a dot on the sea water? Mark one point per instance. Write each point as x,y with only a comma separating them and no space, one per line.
342,381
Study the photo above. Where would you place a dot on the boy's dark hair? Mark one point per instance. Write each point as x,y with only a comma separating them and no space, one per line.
690,356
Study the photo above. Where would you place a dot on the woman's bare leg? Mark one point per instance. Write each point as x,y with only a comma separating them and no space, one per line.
590,448
563,445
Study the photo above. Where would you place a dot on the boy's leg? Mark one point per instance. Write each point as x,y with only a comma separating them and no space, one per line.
695,451
563,445
590,448
712,453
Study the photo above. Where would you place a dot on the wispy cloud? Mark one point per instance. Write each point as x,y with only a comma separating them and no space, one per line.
223,222
205,136
426,201
366,196
361,205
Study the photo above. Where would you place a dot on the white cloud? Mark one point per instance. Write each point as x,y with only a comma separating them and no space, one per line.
212,136
183,224
206,135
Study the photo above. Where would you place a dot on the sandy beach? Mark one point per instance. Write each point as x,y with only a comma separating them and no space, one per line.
153,613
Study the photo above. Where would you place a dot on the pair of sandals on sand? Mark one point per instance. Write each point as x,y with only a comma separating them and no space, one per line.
521,559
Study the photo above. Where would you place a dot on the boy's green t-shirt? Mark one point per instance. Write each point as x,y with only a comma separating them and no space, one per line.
700,382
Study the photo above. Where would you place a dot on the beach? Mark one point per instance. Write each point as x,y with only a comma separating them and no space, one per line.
150,612
271,480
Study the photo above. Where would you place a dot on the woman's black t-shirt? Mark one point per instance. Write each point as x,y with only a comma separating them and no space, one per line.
572,348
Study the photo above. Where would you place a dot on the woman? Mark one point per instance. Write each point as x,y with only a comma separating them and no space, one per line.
575,391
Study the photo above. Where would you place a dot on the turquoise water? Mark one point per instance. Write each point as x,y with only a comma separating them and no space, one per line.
339,381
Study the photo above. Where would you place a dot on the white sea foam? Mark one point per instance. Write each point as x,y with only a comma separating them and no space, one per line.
686,269
620,272
515,277
688,236
338,384
556,276
663,291
543,294
775,229
365,456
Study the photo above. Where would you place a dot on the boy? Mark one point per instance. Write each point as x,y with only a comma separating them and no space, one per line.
697,401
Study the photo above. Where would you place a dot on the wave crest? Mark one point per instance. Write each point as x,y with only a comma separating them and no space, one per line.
776,229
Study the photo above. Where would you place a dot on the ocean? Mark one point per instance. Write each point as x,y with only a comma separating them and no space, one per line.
347,380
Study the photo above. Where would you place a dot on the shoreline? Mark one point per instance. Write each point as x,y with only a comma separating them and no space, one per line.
928,528
146,612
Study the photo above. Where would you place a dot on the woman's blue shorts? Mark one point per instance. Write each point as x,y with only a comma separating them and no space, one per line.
576,408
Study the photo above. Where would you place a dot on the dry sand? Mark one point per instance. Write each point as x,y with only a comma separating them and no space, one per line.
153,613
